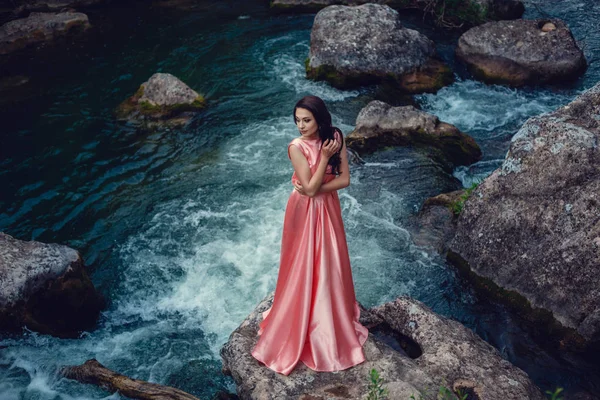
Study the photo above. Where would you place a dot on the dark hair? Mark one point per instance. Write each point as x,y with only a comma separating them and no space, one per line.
319,110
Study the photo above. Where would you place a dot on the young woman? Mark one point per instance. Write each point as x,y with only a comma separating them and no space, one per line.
314,316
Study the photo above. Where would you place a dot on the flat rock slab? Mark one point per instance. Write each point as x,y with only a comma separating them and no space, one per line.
351,46
39,27
533,225
379,125
521,52
163,100
451,355
46,288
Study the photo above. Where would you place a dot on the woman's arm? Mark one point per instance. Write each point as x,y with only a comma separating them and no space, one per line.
312,183
341,181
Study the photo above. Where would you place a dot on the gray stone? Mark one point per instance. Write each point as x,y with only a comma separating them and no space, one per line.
39,27
379,125
46,288
451,354
521,52
163,100
533,225
167,90
350,46
455,355
435,224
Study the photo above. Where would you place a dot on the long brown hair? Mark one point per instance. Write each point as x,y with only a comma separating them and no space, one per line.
326,131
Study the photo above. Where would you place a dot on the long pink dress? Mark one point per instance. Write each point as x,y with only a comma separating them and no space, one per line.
314,316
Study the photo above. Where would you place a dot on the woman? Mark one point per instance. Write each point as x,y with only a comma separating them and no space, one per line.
314,316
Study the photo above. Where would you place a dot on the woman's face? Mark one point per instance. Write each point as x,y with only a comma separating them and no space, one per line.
306,123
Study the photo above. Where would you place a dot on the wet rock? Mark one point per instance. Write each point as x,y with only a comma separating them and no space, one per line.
470,12
521,52
39,27
435,224
450,352
46,288
163,100
351,46
379,125
533,226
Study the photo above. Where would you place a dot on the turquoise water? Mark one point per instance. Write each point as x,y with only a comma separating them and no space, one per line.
181,227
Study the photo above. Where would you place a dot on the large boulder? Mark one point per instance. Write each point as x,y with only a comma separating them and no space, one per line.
380,125
46,288
440,352
533,226
521,52
163,100
39,27
350,46
455,13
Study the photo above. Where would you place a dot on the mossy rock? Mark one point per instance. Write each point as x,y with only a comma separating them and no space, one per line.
134,109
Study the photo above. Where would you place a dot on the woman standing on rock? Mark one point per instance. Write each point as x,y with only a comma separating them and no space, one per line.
314,316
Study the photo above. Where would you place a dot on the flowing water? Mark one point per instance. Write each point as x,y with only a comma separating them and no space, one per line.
181,227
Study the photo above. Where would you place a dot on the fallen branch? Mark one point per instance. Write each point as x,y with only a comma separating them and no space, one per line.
95,373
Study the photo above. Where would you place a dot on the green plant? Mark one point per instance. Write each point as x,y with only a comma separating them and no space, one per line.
460,394
556,395
376,389
457,206
444,393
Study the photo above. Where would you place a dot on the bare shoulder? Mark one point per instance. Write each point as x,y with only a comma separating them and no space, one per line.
296,142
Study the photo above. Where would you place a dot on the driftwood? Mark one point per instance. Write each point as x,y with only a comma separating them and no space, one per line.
95,373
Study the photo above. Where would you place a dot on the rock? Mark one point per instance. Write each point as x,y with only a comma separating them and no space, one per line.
163,100
39,27
435,224
521,52
46,288
379,125
351,46
533,226
449,352
455,355
456,13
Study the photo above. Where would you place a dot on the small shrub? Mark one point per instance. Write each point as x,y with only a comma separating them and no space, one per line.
376,389
556,395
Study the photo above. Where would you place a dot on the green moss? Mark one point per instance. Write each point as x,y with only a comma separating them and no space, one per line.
457,206
327,73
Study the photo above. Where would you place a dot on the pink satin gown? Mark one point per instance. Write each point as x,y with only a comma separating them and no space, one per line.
314,317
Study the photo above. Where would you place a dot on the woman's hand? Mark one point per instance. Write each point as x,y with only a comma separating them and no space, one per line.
298,187
329,148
